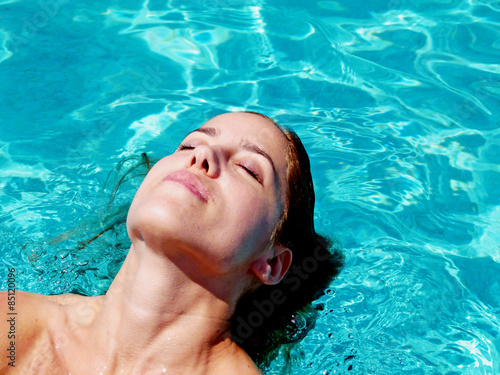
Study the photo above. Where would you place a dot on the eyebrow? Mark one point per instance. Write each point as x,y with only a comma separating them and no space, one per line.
246,145
256,149
212,132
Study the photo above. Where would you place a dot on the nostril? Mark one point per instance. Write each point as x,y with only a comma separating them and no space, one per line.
205,165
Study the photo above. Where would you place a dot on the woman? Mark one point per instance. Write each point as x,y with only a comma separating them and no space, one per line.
212,226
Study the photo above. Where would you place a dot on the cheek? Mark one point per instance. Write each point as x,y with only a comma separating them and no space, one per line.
252,214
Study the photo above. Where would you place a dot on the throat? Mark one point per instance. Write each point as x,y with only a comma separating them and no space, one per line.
153,316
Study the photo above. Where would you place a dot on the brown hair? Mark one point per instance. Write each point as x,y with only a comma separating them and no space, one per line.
281,314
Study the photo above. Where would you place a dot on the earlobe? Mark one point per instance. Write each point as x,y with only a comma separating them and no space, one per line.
270,271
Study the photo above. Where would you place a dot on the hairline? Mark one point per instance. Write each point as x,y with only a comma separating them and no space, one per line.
288,155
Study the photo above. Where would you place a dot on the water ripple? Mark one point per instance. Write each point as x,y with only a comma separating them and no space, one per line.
397,104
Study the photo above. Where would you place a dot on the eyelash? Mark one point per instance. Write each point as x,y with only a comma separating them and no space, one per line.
250,172
183,146
255,175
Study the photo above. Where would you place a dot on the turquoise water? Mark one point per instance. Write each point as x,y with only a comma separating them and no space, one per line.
397,103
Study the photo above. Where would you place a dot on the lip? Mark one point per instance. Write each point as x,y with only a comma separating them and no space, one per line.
191,182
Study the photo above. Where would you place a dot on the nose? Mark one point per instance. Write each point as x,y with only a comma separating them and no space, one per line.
206,159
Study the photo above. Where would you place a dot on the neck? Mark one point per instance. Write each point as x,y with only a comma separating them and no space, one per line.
156,316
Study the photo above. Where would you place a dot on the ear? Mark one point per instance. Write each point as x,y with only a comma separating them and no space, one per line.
270,270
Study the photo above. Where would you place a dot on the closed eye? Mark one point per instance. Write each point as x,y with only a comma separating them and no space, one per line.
183,146
251,173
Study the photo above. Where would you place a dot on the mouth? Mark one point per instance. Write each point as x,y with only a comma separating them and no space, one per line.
190,182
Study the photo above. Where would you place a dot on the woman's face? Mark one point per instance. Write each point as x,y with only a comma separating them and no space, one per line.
217,199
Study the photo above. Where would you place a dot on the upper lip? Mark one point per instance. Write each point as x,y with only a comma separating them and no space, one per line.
192,182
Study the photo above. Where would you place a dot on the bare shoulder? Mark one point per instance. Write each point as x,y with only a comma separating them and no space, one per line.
244,366
53,312
28,318
26,305
247,367
33,305
23,318
238,363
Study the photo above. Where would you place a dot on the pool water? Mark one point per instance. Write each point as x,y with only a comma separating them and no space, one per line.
396,101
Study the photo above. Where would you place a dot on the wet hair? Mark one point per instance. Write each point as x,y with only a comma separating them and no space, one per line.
277,315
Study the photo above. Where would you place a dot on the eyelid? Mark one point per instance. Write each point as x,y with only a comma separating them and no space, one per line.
188,144
254,172
185,146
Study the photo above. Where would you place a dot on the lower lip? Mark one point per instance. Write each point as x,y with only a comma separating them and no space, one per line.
191,188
